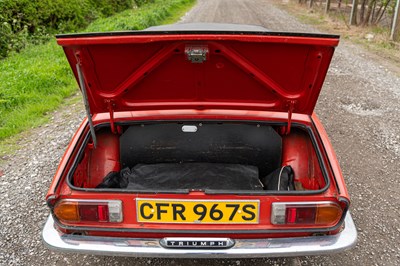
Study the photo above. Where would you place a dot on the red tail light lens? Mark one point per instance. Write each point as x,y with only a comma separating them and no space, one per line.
102,211
296,215
89,211
306,213
93,212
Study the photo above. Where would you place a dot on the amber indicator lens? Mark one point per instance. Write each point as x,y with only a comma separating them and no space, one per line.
88,211
67,211
328,214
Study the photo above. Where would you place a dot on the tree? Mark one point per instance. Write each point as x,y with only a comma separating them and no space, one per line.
366,19
378,15
327,6
353,14
395,33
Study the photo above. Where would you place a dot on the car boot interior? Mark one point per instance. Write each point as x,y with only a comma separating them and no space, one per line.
199,156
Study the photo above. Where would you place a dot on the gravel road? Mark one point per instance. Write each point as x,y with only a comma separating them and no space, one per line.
359,107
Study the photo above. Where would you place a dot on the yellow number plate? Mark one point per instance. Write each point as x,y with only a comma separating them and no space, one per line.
197,211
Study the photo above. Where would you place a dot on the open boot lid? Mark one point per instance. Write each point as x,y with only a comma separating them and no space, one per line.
200,66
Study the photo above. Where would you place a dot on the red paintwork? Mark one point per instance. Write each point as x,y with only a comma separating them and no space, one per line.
251,72
129,208
299,153
331,157
98,162
250,78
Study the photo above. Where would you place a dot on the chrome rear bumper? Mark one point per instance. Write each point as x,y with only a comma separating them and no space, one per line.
268,247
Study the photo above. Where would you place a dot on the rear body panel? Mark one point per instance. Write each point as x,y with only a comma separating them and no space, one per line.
61,189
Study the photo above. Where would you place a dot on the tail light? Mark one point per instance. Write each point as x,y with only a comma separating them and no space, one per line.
324,213
89,211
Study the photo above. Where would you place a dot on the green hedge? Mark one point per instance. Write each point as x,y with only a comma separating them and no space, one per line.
26,21
38,79
142,2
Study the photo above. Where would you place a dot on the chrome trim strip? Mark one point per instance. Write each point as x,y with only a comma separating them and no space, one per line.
250,248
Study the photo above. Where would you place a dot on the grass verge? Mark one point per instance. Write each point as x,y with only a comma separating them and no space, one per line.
37,80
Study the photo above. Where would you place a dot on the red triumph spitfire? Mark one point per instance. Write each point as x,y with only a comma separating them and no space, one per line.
200,141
